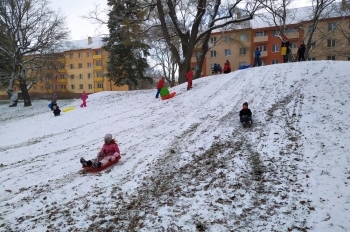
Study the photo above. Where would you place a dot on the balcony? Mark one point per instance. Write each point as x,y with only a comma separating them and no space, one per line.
97,57
99,79
97,68
258,39
62,80
62,70
62,60
98,90
293,35
263,54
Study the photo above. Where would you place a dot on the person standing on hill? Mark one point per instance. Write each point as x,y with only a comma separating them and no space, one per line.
227,67
83,97
285,49
257,55
189,77
160,85
301,51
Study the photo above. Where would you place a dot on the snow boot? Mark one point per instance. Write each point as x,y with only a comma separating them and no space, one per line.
96,164
83,162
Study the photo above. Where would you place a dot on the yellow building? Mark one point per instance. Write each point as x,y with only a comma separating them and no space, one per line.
80,67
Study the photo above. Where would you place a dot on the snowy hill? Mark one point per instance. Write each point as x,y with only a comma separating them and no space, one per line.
187,165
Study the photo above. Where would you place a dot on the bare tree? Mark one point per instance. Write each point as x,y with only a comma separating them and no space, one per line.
31,30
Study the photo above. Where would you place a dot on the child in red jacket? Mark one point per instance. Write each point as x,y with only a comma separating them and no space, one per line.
189,77
109,152
160,85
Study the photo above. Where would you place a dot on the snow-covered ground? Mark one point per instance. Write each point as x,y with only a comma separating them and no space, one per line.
187,165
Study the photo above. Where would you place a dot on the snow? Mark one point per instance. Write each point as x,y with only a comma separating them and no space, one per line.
187,164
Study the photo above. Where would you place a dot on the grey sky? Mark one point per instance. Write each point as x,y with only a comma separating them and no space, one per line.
82,28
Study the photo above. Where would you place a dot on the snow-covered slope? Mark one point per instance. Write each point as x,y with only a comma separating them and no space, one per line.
188,165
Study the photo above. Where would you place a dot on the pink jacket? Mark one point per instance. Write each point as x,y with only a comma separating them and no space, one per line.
84,96
110,149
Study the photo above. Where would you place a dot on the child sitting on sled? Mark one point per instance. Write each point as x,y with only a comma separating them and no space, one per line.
109,153
245,114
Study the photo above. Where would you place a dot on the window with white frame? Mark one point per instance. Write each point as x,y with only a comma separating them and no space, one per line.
72,76
311,58
243,37
275,48
212,53
72,87
63,76
88,54
262,48
71,55
99,85
263,63
71,66
275,33
98,63
331,26
63,86
80,76
89,86
274,62
213,40
63,66
293,45
331,43
98,52
80,55
330,57
81,86
99,74
227,38
227,52
80,65
89,75
89,65
260,33
242,51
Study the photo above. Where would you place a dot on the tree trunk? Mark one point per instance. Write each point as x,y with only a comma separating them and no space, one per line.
25,94
182,73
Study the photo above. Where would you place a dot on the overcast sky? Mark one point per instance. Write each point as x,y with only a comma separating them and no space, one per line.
82,28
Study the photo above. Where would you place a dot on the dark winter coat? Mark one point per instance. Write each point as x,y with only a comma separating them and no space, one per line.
245,112
301,49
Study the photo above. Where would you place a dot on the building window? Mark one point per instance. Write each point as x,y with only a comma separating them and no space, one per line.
99,74
49,87
243,37
98,63
90,86
262,48
71,66
260,33
227,38
81,86
98,52
89,65
332,26
331,43
274,62
311,58
275,33
292,30
71,55
80,65
63,76
227,52
80,76
72,87
212,53
263,63
293,45
89,75
213,40
63,66
72,76
88,54
63,86
242,51
80,55
330,57
99,85
275,48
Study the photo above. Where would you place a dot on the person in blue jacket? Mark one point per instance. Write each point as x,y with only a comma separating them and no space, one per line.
257,55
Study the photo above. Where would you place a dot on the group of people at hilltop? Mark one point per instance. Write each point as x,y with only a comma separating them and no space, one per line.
56,109
218,69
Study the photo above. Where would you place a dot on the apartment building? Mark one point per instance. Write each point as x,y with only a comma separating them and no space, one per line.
79,67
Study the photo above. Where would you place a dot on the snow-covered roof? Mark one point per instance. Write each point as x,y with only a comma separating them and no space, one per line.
96,42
